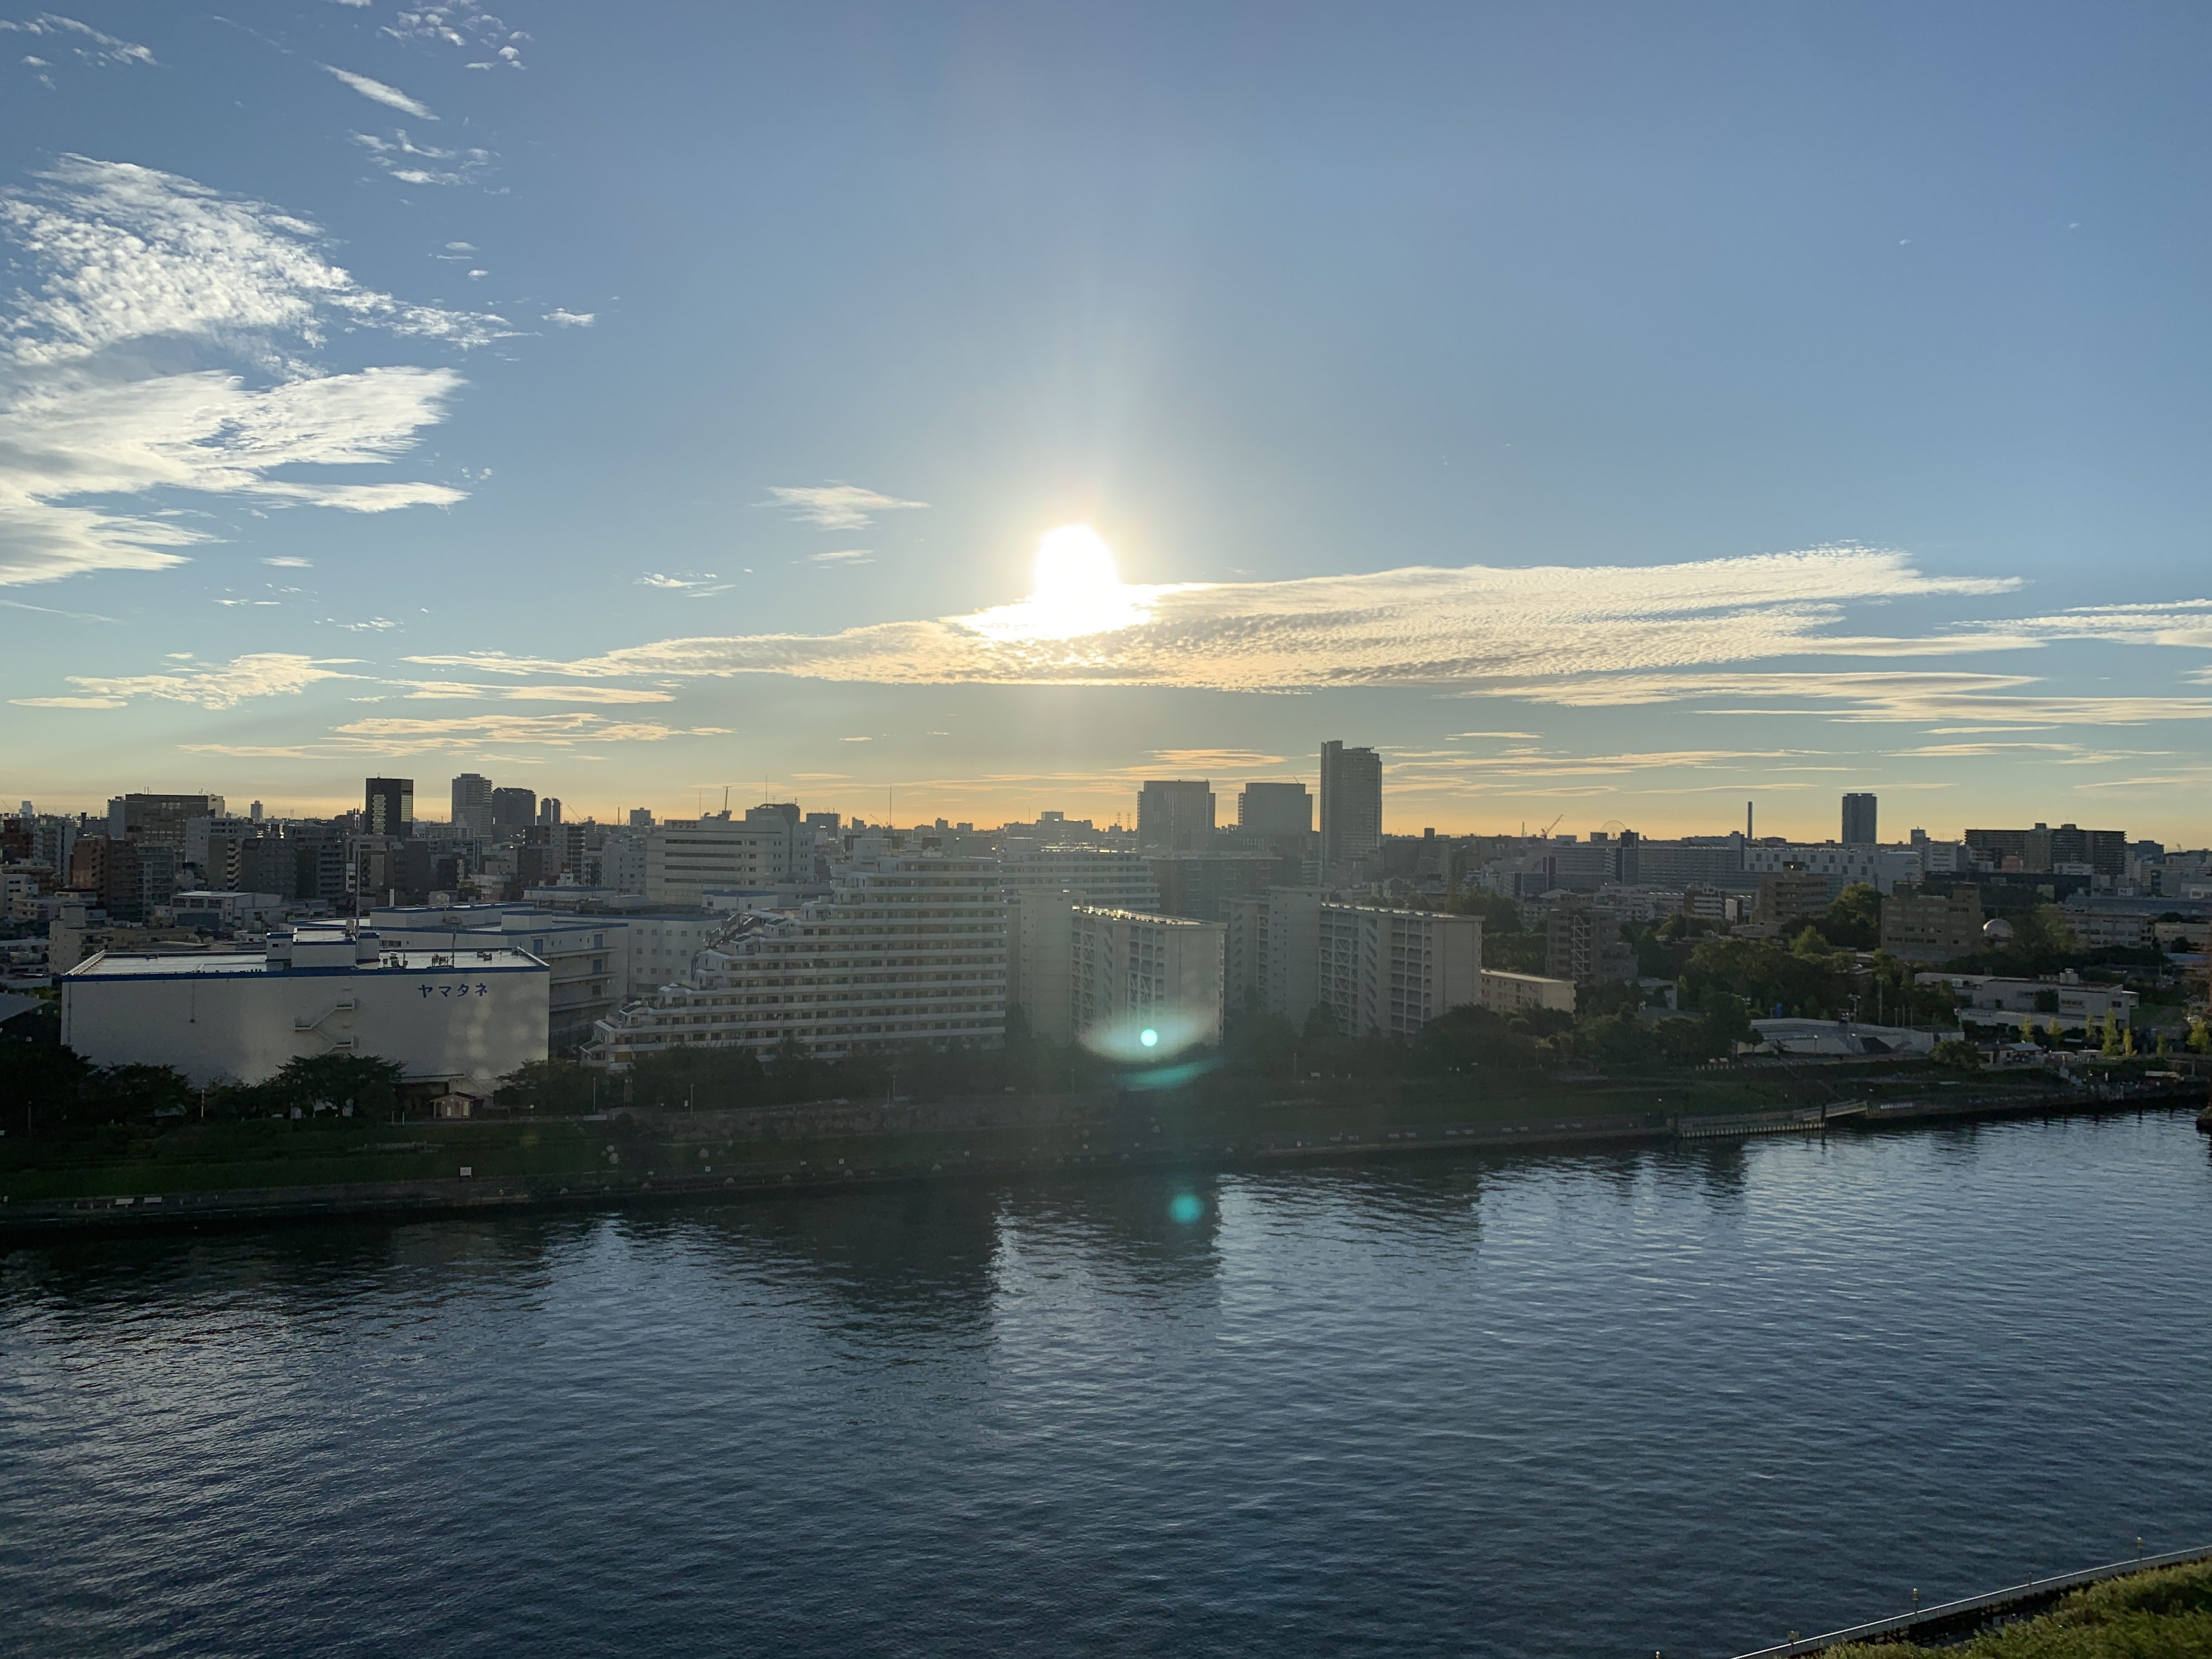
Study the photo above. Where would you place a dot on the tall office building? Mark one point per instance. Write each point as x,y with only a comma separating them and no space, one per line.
472,803
1175,815
1859,821
158,818
1275,809
391,807
1350,804
549,811
514,809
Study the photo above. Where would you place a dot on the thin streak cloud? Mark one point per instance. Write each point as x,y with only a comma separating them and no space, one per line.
377,92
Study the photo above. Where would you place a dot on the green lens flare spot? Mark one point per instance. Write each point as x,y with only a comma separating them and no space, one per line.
1149,1037
1186,1207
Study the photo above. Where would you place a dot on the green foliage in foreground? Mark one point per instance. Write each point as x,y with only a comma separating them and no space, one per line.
2163,1614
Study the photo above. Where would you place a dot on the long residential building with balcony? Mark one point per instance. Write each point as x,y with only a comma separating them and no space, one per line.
908,950
1395,970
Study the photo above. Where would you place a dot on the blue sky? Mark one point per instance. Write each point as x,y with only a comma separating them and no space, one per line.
1619,412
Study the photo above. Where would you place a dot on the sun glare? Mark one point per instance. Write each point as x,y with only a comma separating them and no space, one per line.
1075,591
1074,564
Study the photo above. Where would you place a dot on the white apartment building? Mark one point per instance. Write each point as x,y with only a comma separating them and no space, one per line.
621,860
684,861
1133,974
1246,973
468,1016
1117,880
1880,867
1512,993
1041,957
907,950
1395,970
662,948
1293,982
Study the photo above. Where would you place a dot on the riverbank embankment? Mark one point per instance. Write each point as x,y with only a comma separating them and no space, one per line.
201,1175
2154,1605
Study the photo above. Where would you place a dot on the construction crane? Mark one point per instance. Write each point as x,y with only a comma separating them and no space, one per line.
1544,834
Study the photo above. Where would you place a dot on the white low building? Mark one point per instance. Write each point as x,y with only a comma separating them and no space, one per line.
2064,1002
468,1017
1512,993
587,956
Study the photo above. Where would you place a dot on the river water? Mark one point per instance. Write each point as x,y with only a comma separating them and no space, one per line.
1663,1400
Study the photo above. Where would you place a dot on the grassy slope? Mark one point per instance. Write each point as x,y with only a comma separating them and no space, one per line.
2165,1614
214,1156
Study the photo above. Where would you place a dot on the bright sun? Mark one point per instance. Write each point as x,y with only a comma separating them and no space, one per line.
1075,591
1073,565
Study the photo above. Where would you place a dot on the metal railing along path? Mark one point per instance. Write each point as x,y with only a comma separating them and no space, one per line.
1955,1620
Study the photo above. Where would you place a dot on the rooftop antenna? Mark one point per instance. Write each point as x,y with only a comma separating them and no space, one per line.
726,800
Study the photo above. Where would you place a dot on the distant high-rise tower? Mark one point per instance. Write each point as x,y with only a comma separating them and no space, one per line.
1859,821
472,803
1275,809
514,809
1350,804
391,807
549,811
1175,815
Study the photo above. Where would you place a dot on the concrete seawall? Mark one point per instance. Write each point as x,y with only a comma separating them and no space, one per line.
24,1220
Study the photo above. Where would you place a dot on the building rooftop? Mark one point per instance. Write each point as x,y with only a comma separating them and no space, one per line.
113,964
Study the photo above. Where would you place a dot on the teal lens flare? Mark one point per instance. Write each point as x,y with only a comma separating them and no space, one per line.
1186,1207
1149,1037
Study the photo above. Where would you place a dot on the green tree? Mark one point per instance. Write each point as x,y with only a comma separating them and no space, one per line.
555,1088
1467,1037
709,1078
1854,918
1957,1054
1726,1021
366,1083
1766,976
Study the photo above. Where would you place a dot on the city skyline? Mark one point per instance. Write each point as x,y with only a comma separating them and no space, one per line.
375,392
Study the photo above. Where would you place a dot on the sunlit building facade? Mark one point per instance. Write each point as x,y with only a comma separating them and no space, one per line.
908,950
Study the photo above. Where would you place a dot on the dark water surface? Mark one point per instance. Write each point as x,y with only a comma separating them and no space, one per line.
1593,1405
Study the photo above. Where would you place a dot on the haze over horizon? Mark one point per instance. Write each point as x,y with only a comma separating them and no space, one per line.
1617,414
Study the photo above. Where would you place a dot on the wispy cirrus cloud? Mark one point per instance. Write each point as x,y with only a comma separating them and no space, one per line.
225,685
398,738
413,163
1432,766
1478,626
1212,759
135,267
78,40
2181,622
377,92
451,690
835,506
560,317
697,585
1867,696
